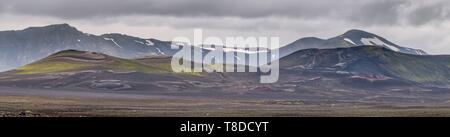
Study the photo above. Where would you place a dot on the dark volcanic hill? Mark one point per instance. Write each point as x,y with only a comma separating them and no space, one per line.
352,38
372,64
73,69
364,74
357,68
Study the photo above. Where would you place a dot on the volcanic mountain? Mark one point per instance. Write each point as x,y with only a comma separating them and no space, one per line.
21,47
352,38
365,74
73,69
18,48
355,68
372,64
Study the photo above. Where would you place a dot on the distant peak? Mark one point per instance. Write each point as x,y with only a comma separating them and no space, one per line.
61,27
357,32
309,39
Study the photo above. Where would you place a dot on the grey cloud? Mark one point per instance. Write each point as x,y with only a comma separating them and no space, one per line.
429,13
378,12
368,12
241,8
398,20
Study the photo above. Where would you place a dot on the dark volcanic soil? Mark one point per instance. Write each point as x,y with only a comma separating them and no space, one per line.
51,103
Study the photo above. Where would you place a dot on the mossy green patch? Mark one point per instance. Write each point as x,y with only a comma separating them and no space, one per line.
130,65
50,67
70,61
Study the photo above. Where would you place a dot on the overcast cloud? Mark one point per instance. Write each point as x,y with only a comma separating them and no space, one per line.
411,23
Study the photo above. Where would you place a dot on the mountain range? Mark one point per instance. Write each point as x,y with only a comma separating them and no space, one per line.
342,67
18,48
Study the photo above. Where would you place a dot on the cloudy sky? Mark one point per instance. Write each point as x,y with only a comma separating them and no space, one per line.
423,24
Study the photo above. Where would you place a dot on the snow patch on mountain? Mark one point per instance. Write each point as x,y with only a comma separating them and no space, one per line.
149,43
112,40
350,41
140,42
377,42
160,52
